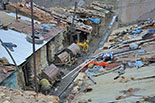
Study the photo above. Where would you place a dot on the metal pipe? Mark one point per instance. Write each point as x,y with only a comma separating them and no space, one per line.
34,56
68,85
76,69
81,66
106,33
89,76
73,22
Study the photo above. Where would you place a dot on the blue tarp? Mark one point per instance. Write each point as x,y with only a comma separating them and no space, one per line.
46,26
141,51
137,63
137,31
95,70
95,20
151,31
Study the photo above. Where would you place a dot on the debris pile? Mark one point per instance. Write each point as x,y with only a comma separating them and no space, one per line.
63,16
3,61
127,51
129,48
53,27
39,14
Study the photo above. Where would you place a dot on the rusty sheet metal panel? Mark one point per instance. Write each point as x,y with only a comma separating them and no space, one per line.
63,57
51,73
74,49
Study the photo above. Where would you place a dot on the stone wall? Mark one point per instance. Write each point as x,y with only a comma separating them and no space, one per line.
55,45
132,11
44,56
41,59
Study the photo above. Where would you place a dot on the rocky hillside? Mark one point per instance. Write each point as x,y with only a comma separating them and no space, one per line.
49,3
66,3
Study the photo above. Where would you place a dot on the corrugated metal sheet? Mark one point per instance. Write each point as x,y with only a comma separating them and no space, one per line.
63,57
25,27
23,49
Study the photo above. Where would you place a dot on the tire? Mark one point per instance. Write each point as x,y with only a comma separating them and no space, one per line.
38,39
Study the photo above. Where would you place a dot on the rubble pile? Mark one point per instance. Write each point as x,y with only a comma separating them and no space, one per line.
87,21
8,95
132,34
39,14
65,15
3,61
52,29
125,59
127,48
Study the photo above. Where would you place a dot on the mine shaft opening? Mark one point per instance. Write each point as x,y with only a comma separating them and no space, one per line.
82,36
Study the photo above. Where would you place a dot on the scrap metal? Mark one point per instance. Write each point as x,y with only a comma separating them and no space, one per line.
39,14
52,73
74,49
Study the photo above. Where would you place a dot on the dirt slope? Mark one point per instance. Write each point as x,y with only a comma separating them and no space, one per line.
66,3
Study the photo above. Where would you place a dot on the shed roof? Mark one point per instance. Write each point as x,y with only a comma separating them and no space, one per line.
23,49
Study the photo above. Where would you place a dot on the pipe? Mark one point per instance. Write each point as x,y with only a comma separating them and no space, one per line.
34,56
78,68
68,85
73,22
106,33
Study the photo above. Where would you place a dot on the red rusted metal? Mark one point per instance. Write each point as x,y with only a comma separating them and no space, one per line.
113,65
51,73
63,57
74,49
